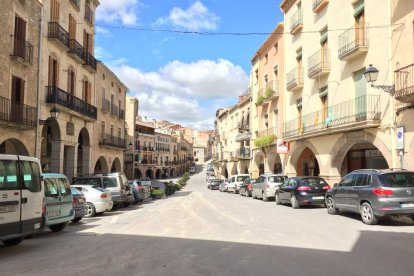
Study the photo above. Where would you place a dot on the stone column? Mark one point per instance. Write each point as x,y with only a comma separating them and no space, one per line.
57,157
86,160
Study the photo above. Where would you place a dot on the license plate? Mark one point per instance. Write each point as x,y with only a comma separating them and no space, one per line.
407,205
53,213
318,197
7,209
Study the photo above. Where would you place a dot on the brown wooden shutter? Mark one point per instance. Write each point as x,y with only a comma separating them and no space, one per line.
72,27
89,93
57,73
50,80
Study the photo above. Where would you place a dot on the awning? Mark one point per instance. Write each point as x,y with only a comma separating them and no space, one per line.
244,136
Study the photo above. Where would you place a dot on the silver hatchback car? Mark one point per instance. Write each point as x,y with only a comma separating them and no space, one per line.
266,185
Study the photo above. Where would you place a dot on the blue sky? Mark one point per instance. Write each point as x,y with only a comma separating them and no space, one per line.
183,77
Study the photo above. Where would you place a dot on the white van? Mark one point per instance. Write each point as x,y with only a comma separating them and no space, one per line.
21,198
235,181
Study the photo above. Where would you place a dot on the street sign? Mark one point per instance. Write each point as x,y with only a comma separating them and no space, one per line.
400,138
282,146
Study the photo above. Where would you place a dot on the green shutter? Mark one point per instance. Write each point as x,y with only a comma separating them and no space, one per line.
324,37
359,7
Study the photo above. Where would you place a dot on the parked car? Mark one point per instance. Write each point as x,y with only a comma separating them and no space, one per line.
98,200
116,183
223,186
235,181
373,194
79,204
146,181
58,200
265,186
214,184
138,190
210,178
21,202
247,187
301,190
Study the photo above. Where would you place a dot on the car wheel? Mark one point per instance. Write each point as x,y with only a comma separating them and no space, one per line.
91,211
277,199
330,206
57,227
294,202
367,214
77,219
11,242
265,198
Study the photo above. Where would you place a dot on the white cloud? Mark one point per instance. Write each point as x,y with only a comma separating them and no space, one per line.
185,93
101,53
112,11
196,18
103,31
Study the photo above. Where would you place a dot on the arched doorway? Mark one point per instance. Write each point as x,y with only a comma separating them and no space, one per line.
101,166
158,174
84,149
307,164
363,156
277,165
224,172
150,174
116,165
50,156
137,174
13,146
259,162
234,169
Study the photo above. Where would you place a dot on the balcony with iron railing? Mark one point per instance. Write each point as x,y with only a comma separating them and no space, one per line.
265,132
353,42
89,62
22,50
294,79
17,114
88,15
358,113
296,22
318,5
319,64
112,141
243,153
404,84
76,51
106,105
58,34
71,103
75,4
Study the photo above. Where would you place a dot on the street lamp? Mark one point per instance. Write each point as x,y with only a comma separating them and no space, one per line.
371,76
54,114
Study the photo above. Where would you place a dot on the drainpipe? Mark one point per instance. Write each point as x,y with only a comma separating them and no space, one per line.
39,76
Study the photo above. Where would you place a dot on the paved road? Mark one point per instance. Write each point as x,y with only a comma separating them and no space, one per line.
203,232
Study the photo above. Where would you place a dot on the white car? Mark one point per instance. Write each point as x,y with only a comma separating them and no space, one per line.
235,181
98,199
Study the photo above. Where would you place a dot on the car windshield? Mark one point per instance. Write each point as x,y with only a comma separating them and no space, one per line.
242,178
312,182
277,178
109,182
397,180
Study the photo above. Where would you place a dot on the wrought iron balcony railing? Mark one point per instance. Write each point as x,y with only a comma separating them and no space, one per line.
319,63
88,15
266,132
64,99
76,49
90,60
243,152
113,141
362,109
296,22
106,105
16,113
404,84
318,5
294,79
22,49
55,31
353,41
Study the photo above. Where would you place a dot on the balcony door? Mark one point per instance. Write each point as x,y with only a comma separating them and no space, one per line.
53,72
17,100
360,29
360,95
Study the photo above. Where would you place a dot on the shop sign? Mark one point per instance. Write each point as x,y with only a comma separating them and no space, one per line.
400,138
282,146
